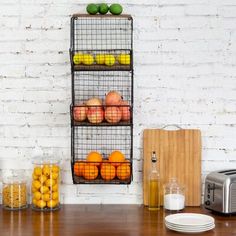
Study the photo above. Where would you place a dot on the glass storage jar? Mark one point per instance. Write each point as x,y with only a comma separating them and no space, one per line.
14,193
174,196
45,186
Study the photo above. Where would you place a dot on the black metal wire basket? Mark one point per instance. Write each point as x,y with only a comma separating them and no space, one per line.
108,148
101,42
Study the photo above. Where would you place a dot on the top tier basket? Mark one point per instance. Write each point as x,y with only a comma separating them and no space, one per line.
101,33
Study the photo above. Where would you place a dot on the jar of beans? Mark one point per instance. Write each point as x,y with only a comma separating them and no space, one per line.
14,193
45,184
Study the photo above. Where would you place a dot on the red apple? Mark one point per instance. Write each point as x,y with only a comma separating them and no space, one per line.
94,102
125,109
113,98
95,115
113,114
79,113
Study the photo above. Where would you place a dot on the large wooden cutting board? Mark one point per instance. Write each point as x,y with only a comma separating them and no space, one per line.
179,155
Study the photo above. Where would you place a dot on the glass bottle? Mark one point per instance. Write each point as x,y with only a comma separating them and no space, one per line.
154,185
174,196
45,186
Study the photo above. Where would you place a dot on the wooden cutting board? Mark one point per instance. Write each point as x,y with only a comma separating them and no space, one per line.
179,155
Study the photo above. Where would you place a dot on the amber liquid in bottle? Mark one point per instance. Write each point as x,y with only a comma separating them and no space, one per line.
154,186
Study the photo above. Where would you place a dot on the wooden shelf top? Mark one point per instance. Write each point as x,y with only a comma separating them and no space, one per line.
95,67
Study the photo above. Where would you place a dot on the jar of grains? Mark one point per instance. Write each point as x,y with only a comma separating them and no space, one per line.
14,193
45,184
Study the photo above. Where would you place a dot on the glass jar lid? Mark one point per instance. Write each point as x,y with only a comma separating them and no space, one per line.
15,180
173,186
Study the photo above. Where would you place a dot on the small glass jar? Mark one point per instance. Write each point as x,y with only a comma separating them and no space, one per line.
45,186
14,193
174,196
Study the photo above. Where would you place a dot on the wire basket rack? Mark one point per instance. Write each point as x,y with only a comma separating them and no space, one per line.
101,55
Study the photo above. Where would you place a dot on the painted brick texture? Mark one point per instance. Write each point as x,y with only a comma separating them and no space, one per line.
185,74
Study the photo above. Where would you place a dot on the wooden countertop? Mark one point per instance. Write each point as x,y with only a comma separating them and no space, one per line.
93,220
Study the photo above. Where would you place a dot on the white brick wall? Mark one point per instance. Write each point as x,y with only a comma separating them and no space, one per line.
185,73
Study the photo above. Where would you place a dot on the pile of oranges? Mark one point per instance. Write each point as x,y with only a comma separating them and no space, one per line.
115,166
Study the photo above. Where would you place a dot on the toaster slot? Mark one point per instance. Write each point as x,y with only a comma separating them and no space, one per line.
226,171
231,173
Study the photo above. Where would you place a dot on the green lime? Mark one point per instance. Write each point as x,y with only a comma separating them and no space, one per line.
92,9
103,8
116,9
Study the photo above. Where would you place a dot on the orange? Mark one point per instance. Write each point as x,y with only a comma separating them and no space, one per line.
116,158
104,162
95,158
90,172
108,172
79,168
123,171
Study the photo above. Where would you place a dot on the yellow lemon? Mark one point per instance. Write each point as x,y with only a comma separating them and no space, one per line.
54,176
41,203
109,60
36,184
44,189
100,59
55,195
50,182
33,189
55,169
37,195
37,171
35,201
88,59
34,177
52,203
55,188
124,59
42,178
46,170
78,58
46,197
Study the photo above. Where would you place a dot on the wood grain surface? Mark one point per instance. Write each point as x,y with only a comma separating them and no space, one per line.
179,155
100,220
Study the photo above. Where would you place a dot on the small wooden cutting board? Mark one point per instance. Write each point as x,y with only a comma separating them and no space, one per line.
179,155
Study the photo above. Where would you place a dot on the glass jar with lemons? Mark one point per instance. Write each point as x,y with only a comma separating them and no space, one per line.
45,184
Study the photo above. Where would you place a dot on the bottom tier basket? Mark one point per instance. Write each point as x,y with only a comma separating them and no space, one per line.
102,155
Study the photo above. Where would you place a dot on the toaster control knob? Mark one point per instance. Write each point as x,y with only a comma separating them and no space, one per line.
207,202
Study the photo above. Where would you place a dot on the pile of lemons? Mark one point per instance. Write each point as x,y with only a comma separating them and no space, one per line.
101,59
45,186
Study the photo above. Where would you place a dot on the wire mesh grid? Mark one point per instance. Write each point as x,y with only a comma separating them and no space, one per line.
101,33
97,84
104,141
101,43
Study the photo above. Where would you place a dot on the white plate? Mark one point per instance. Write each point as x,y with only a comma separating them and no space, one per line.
189,230
189,227
192,228
189,219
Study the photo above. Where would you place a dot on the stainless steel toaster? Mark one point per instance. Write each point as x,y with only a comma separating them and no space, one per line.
220,191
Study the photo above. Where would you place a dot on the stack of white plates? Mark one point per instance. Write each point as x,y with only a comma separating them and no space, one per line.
189,222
